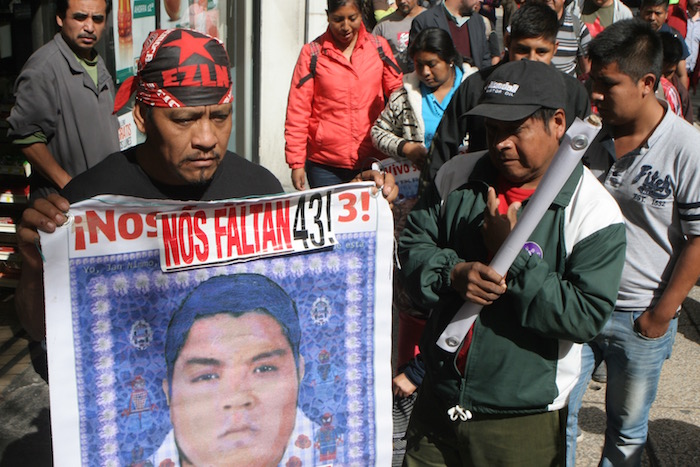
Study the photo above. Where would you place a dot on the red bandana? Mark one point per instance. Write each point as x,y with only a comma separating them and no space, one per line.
179,68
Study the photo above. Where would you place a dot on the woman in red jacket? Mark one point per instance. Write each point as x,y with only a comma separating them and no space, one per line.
337,93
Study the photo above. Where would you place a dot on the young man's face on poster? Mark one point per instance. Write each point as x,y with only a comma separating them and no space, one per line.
233,397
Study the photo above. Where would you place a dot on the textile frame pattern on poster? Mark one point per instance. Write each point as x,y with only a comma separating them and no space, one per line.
141,372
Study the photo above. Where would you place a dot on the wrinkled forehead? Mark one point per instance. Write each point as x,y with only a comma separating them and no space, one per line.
174,113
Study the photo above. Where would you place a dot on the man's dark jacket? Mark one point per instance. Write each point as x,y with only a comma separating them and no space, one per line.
435,17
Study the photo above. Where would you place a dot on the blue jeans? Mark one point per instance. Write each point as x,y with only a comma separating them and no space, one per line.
634,366
320,175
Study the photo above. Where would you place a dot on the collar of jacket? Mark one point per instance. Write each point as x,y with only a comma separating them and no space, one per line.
68,54
77,68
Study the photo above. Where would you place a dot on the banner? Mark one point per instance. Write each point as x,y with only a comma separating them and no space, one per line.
407,177
239,332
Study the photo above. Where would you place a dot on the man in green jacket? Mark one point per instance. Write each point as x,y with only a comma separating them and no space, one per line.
501,398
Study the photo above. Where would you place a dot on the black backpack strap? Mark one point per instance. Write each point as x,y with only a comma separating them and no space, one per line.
315,50
382,55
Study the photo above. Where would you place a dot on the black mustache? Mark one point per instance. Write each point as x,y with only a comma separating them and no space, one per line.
88,36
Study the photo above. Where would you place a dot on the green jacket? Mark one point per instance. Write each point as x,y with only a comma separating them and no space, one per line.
523,357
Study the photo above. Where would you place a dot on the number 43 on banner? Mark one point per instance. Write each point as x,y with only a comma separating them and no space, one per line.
254,228
350,207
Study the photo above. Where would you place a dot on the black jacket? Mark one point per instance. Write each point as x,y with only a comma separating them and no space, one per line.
478,42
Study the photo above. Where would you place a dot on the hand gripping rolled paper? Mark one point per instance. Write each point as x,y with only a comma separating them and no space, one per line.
574,145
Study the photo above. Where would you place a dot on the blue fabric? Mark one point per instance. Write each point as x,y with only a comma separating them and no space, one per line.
634,366
320,175
433,110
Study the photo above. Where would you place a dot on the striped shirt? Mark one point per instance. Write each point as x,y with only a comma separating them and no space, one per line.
573,38
692,40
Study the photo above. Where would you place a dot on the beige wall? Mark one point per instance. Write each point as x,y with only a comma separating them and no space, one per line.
282,34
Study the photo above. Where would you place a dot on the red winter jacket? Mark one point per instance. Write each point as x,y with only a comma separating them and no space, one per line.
329,117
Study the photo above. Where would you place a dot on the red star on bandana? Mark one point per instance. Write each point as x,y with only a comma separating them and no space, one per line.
189,46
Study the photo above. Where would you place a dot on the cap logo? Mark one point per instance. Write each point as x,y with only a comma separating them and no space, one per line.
507,89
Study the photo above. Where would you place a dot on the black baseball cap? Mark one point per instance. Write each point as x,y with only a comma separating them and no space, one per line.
516,90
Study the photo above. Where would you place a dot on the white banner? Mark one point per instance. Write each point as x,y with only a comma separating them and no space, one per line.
242,329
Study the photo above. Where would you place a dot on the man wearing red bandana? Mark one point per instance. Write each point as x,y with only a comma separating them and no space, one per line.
183,106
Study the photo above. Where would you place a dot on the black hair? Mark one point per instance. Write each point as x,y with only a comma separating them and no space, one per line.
146,111
438,41
234,295
62,7
672,48
652,3
633,45
544,114
534,20
333,5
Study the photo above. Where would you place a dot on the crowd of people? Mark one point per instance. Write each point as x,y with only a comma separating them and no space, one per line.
602,276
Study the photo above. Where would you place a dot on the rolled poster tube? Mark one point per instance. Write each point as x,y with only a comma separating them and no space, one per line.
574,145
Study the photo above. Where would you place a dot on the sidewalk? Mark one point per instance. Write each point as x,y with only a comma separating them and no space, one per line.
24,397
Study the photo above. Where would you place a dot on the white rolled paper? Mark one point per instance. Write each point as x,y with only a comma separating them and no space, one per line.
574,145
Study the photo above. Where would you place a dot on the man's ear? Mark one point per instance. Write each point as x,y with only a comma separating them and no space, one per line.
166,390
556,46
558,123
140,118
648,84
59,21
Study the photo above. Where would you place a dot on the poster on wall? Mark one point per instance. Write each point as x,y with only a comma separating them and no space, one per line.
134,19
240,332
129,135
207,16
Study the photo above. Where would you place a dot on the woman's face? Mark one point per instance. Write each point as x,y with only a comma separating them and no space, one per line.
344,23
431,69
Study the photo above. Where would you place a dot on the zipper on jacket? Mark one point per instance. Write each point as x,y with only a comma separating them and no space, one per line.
463,400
